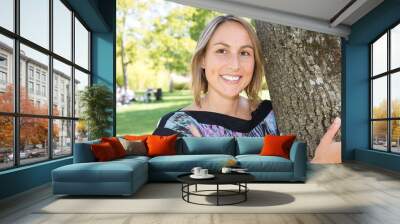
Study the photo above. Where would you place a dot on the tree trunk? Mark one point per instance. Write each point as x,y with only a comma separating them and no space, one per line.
123,59
303,72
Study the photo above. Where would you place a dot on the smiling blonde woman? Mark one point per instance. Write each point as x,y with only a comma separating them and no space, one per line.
227,61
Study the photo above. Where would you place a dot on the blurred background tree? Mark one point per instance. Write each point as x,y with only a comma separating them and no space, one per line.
155,42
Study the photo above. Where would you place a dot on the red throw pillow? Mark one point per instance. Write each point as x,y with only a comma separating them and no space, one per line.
277,145
161,145
103,151
116,145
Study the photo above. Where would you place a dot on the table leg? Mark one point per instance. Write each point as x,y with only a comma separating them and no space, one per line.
188,189
217,194
245,191
196,188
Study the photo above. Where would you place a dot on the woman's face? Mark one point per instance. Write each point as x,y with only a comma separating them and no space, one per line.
229,60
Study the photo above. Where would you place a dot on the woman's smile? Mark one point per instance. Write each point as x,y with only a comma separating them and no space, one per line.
231,79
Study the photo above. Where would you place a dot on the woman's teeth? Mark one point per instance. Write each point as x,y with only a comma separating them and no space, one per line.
231,77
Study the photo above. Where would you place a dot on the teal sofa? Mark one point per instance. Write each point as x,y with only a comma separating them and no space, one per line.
125,176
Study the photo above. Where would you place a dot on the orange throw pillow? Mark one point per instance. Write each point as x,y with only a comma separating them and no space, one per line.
277,145
103,151
136,137
161,145
116,145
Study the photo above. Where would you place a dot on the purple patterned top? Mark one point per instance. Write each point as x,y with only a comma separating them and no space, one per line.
211,124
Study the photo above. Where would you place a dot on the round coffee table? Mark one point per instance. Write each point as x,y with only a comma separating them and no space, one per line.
238,179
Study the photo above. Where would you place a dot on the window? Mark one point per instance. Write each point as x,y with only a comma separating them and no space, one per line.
30,73
44,91
34,21
81,45
3,78
38,89
385,94
62,29
7,89
62,74
55,129
7,14
37,74
3,61
3,72
44,77
30,87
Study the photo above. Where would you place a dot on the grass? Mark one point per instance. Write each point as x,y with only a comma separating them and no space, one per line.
141,118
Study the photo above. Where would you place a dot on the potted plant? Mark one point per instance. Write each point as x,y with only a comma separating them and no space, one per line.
96,102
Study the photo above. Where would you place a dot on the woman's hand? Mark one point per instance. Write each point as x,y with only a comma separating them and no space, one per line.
329,151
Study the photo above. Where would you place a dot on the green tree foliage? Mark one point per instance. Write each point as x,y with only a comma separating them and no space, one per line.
162,41
174,37
200,17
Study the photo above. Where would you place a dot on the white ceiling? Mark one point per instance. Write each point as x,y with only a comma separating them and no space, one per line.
315,15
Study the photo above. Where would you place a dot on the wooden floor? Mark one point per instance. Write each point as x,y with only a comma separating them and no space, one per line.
378,189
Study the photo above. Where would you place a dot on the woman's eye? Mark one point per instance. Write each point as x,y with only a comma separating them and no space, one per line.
221,51
245,53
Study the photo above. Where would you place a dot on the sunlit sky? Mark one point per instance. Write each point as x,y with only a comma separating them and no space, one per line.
379,59
159,8
35,27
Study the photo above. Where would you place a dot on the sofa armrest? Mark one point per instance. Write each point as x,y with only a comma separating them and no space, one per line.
298,155
83,152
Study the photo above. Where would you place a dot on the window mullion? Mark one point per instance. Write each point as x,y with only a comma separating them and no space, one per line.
50,81
389,106
16,84
73,82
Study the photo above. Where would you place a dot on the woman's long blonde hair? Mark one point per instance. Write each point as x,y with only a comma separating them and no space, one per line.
199,81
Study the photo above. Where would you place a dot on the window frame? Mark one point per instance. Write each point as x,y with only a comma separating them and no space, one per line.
16,114
388,74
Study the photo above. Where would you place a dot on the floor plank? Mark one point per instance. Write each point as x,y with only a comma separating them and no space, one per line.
377,190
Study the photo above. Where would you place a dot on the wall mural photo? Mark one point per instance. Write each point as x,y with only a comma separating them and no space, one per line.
220,75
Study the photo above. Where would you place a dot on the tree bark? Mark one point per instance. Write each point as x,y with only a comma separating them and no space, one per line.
303,72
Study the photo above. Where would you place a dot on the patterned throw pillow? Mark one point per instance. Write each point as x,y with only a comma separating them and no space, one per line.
136,147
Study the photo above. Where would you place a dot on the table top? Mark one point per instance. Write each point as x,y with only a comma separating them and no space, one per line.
220,178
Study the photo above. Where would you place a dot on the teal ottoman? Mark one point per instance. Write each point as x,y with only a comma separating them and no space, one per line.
118,177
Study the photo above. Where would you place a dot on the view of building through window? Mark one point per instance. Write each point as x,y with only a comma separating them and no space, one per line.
31,111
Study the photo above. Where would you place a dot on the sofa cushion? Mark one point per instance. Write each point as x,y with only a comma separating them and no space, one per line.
206,145
257,163
111,171
249,145
185,163
131,158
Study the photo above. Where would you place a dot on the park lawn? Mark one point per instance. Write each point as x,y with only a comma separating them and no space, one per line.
141,118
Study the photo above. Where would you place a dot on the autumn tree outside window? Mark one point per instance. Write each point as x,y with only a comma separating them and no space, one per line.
44,64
